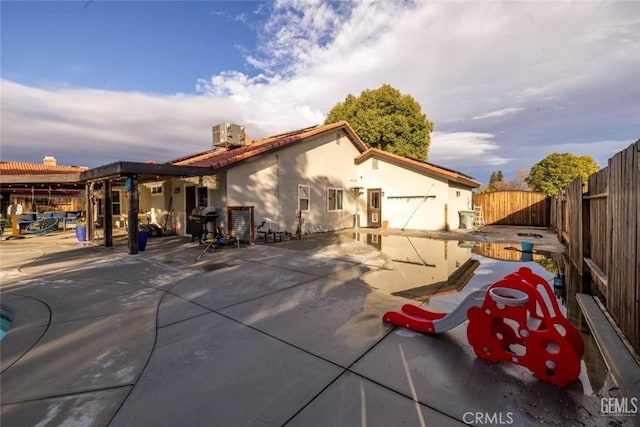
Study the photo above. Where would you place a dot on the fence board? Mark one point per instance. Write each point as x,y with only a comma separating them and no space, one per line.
599,233
557,218
574,225
514,208
623,267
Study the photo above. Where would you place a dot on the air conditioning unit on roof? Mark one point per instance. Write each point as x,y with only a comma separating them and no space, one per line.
228,135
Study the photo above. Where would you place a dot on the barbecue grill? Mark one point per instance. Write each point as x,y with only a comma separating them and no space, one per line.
204,216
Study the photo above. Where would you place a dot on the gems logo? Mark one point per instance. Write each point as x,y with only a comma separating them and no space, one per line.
623,406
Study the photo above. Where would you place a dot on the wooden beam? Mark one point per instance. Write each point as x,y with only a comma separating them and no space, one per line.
596,196
88,215
107,223
598,275
60,178
615,352
122,169
132,220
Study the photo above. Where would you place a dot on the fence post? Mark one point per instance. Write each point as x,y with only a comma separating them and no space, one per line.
586,243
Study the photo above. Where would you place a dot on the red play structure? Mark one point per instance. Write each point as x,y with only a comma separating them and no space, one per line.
515,319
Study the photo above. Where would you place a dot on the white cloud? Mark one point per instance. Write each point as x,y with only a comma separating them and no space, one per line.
93,127
498,113
544,73
465,148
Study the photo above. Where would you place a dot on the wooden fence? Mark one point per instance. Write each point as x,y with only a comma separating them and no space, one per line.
600,228
514,208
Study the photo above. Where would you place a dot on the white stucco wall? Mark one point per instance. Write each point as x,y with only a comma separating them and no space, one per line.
172,202
460,199
404,193
155,204
270,183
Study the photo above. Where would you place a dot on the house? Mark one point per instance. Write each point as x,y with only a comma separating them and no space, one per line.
40,187
314,179
411,194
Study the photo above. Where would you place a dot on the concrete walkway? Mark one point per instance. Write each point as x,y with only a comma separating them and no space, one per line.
278,334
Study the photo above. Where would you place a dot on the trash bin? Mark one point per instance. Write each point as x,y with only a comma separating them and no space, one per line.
526,246
466,219
81,233
142,240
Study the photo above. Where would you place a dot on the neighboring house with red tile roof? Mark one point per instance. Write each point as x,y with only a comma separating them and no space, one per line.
39,186
321,177
46,172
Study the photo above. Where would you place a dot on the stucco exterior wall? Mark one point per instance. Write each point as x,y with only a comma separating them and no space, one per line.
460,199
170,207
216,189
270,183
404,204
155,204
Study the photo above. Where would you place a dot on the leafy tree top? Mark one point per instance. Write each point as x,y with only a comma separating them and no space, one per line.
498,183
557,170
386,119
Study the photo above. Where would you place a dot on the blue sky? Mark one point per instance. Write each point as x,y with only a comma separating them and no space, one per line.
158,47
506,83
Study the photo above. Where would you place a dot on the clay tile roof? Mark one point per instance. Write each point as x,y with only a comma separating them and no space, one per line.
20,168
421,166
221,157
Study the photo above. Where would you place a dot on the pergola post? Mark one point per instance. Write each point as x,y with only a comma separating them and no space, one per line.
131,185
90,211
107,223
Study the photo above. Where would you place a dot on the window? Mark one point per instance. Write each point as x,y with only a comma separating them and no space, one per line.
375,200
115,202
203,197
374,164
335,198
156,190
303,197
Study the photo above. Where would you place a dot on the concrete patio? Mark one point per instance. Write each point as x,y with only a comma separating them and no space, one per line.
277,334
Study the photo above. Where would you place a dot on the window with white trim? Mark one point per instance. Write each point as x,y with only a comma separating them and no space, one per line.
335,199
115,202
156,190
303,197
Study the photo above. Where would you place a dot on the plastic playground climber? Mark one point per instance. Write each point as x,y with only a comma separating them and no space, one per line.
515,319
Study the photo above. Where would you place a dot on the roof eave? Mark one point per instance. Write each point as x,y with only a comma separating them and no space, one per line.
421,168
54,178
119,169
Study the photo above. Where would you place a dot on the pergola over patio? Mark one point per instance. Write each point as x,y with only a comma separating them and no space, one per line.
133,173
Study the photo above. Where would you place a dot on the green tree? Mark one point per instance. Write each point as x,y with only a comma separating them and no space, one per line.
497,182
557,170
386,119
